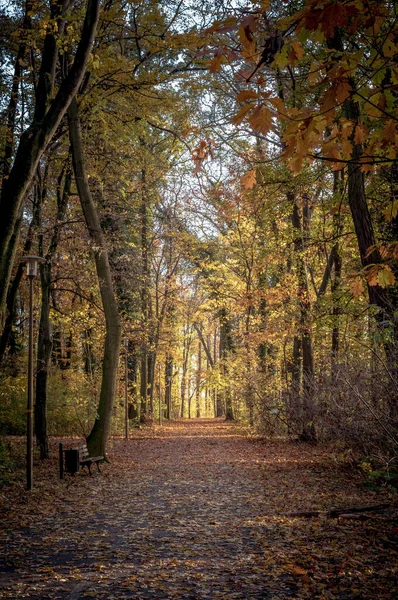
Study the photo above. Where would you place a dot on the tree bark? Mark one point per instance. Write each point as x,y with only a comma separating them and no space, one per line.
226,348
44,343
168,379
96,441
300,231
198,378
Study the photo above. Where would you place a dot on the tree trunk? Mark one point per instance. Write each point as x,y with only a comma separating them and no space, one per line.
31,146
198,378
385,302
144,299
168,378
44,343
13,289
336,281
96,441
226,348
300,232
185,360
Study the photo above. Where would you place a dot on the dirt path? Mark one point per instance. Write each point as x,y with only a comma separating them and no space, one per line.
196,511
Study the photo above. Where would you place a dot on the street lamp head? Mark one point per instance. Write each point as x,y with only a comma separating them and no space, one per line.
31,264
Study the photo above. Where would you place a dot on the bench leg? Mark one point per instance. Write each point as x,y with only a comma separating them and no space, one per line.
98,466
89,468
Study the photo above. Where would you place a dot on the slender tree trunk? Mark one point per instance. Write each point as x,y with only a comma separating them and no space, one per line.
198,378
144,299
97,438
168,379
336,281
226,348
185,361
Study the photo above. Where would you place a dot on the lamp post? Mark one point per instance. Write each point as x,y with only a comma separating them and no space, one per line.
31,263
160,394
126,389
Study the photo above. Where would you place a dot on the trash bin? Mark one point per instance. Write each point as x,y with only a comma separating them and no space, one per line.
72,462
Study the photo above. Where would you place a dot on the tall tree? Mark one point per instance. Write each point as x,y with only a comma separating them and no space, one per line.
96,441
47,116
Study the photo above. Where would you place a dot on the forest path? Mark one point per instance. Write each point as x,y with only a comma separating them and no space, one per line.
195,510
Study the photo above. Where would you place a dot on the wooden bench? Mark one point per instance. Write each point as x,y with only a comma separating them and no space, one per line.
77,458
86,460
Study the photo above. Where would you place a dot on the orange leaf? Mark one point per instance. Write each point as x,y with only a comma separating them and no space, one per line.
249,179
357,287
343,90
371,274
246,95
359,136
215,64
261,119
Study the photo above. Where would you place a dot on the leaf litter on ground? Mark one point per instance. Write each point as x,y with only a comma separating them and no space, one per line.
197,509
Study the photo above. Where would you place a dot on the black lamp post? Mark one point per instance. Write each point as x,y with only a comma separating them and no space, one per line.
126,390
32,264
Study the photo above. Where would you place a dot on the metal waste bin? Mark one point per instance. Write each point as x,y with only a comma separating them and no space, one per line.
72,462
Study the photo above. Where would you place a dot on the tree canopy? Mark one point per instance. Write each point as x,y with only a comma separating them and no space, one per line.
216,185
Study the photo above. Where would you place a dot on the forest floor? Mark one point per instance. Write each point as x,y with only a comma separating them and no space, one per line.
197,510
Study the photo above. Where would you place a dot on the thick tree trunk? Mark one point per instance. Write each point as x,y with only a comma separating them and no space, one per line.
31,147
386,302
13,289
96,441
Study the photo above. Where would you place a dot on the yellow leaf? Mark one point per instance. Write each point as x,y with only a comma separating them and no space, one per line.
356,287
391,211
385,276
389,48
372,110
249,179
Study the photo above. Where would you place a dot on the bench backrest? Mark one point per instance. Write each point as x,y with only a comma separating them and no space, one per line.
83,452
